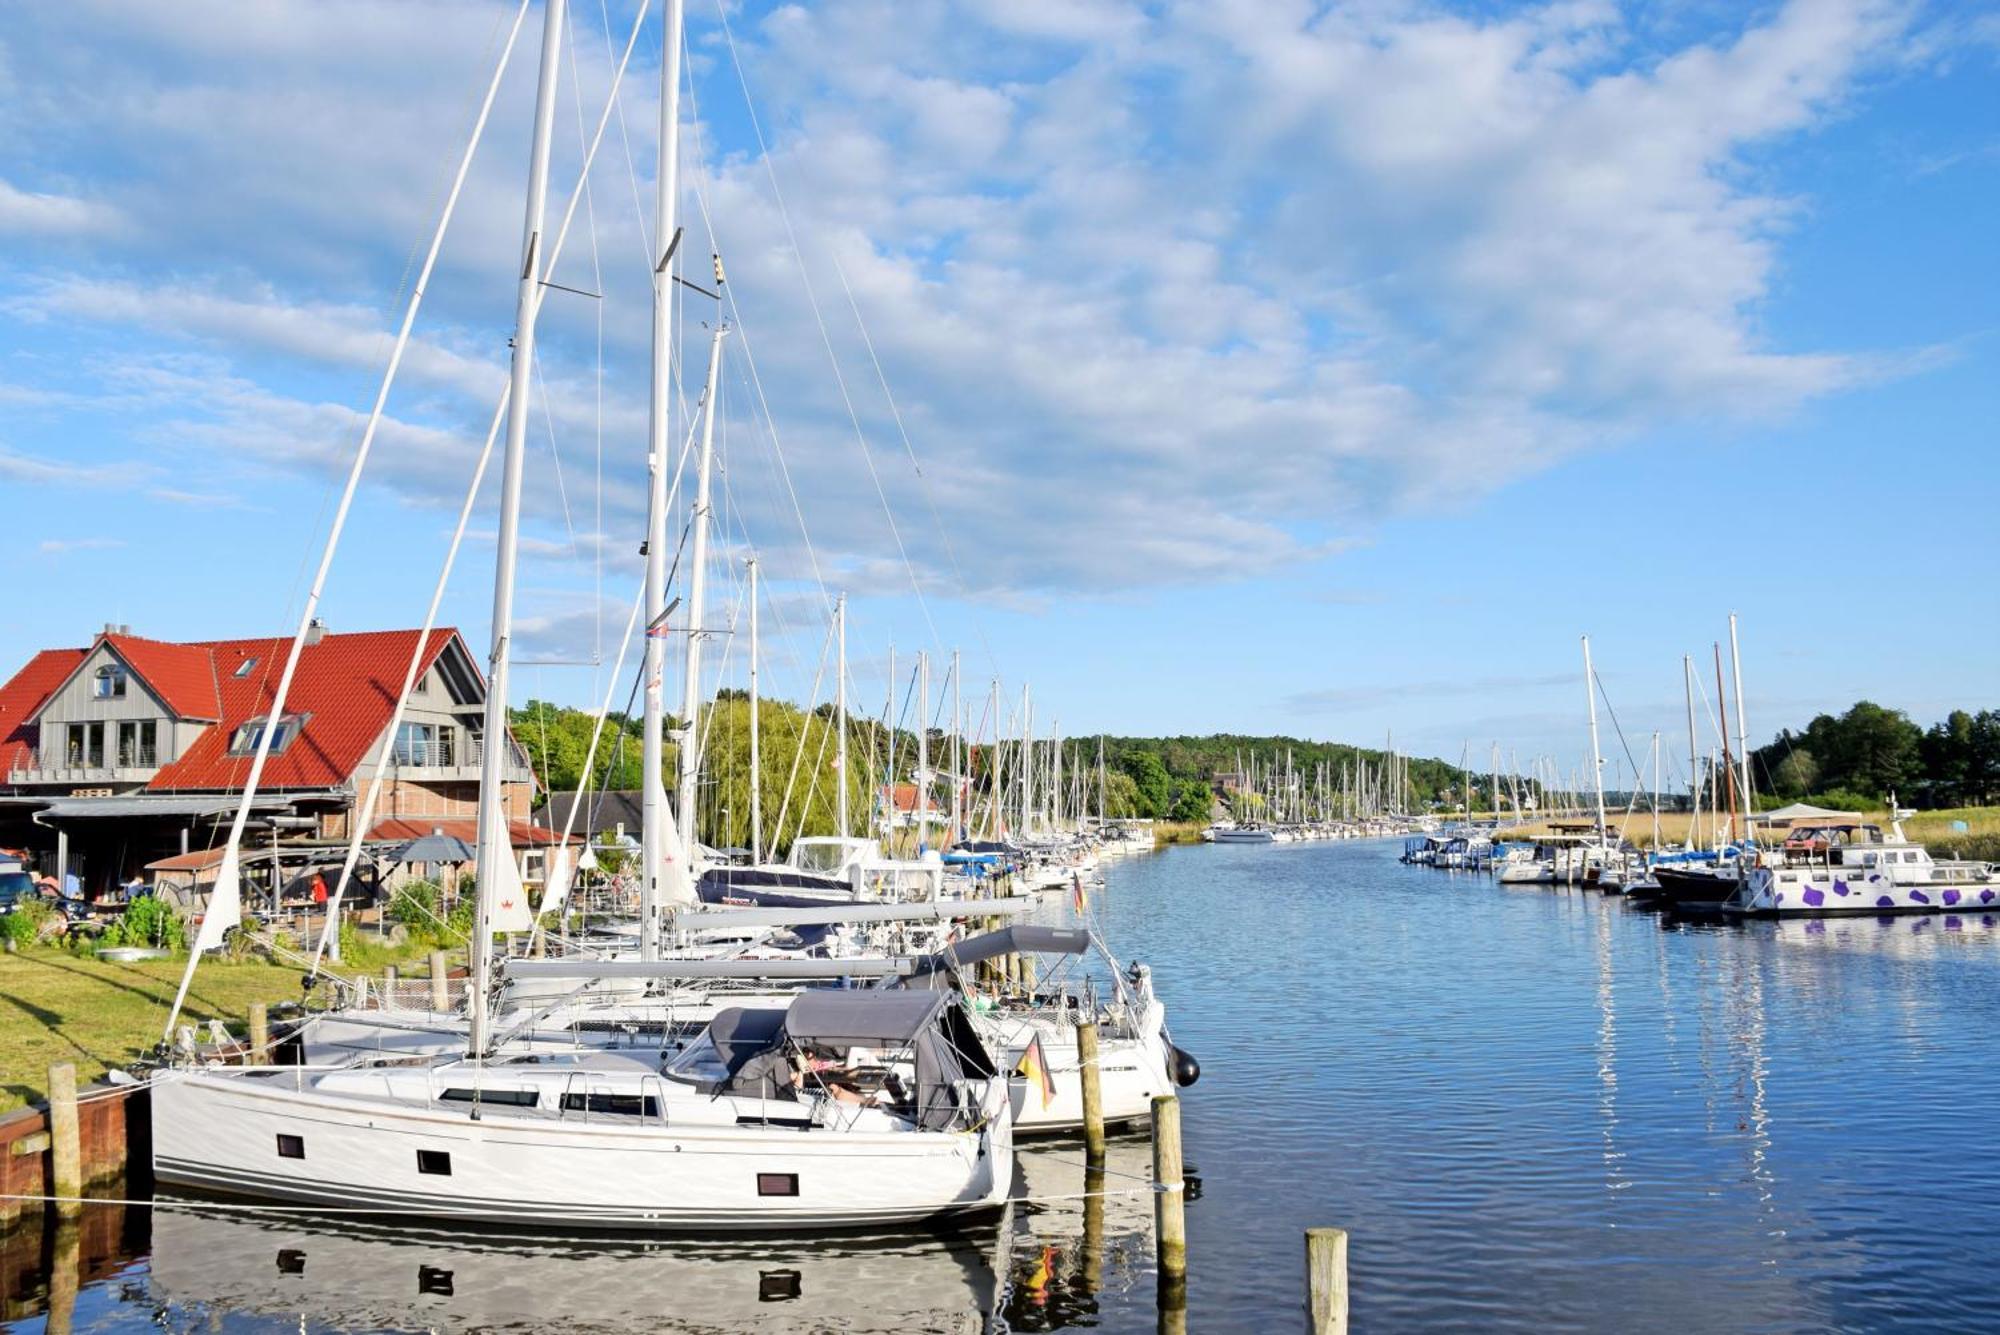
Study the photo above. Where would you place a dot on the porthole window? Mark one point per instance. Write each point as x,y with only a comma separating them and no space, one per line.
434,1162
291,1147
777,1184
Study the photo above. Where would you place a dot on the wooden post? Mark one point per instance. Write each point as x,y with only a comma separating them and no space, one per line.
1169,1203
1093,1091
440,984
1326,1280
1093,1229
65,1140
260,1034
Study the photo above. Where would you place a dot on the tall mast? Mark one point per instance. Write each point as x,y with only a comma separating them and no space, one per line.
923,746
495,845
1694,757
666,239
1728,766
690,730
1596,761
1055,778
756,767
1027,763
1656,792
1742,724
995,793
957,754
840,710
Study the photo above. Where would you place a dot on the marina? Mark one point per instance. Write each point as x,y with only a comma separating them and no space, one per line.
1590,1074
698,667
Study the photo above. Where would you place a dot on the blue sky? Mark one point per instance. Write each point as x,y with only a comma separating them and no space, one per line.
1324,369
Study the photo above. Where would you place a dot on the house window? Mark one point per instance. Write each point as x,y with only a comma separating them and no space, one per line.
426,744
291,1147
777,1184
86,746
244,743
138,743
109,682
435,1162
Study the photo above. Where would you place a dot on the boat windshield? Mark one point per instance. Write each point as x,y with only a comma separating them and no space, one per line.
814,855
699,1062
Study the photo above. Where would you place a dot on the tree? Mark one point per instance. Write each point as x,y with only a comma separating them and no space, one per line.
1155,785
1877,750
1193,803
1796,774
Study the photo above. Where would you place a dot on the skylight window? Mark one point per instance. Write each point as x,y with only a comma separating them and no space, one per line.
244,743
244,668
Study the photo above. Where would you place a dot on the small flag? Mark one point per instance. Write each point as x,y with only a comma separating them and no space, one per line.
1035,1066
1039,1277
1078,899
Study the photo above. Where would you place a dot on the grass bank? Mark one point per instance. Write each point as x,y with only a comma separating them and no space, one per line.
1177,832
57,1007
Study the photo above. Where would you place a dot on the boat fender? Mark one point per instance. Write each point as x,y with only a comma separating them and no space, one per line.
1186,1069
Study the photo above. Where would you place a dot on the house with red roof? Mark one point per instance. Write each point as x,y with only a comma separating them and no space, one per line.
132,749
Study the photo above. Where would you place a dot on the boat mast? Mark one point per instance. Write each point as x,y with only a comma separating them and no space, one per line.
1656,791
957,755
494,841
1728,765
652,737
840,710
1742,724
1027,763
1596,761
756,768
689,735
923,803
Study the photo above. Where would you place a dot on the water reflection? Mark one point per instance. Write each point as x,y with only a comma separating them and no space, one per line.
1083,1236
211,1262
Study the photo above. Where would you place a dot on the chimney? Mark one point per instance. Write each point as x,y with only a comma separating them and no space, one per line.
315,631
113,628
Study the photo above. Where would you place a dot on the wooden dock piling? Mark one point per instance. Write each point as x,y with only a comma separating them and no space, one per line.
440,983
260,1034
1169,1196
1326,1280
1093,1092
65,1140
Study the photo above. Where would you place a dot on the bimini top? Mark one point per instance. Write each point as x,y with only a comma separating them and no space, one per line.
850,1017
1019,939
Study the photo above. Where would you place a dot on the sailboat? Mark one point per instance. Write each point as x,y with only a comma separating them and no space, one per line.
854,1107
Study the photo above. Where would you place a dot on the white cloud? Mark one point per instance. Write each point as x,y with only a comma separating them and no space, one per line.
1166,296
33,213
59,546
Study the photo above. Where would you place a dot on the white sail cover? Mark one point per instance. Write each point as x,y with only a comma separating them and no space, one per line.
510,898
562,870
225,904
676,877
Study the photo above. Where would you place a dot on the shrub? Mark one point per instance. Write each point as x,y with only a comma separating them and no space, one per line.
19,927
415,904
148,921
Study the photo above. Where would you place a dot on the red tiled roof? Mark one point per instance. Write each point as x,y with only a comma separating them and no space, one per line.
24,694
347,684
402,829
182,675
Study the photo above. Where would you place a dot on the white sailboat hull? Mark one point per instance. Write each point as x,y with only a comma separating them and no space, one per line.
218,1131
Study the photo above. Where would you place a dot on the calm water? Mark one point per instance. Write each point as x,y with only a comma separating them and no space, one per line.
1533,1109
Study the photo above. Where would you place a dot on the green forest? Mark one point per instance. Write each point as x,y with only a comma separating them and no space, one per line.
1158,777
1858,758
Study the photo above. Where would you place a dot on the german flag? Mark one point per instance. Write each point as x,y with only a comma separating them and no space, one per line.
1078,900
1035,1066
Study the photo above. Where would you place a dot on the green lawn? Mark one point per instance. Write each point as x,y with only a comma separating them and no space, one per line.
55,1007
